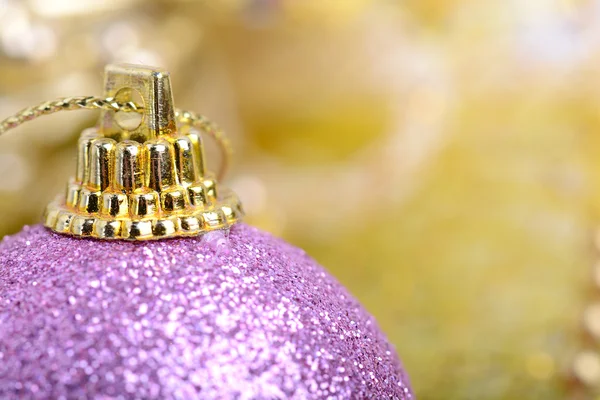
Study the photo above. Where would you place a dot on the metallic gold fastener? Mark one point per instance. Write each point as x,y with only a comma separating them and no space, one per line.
138,179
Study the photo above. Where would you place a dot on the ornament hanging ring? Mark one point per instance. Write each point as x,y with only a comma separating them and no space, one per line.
186,118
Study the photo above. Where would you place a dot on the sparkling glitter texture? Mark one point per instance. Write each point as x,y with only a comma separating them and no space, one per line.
235,314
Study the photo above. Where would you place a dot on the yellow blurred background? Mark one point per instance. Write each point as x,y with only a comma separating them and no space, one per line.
440,157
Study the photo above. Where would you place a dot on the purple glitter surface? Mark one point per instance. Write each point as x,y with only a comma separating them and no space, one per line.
231,315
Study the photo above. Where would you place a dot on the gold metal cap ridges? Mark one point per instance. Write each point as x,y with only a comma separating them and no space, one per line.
141,184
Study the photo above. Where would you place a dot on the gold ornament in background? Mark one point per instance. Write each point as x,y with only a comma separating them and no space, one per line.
450,149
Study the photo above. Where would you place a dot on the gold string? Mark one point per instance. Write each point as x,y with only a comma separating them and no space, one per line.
97,103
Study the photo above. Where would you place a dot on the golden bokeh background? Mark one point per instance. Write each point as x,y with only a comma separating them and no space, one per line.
440,157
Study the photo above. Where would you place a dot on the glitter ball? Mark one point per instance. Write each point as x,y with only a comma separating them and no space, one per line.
230,315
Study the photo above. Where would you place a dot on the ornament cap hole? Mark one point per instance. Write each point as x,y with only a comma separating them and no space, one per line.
129,121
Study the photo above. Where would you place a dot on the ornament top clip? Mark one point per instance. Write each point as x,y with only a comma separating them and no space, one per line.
141,173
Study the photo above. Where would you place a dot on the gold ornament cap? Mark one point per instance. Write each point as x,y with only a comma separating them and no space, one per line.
141,172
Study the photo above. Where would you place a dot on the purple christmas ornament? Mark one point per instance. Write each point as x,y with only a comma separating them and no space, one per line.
144,284
238,315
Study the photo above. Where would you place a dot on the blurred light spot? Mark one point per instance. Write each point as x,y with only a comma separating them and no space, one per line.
119,38
3,7
547,34
586,367
591,319
23,40
14,172
540,366
121,42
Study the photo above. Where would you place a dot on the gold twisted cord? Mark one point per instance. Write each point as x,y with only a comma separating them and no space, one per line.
203,124
97,103
64,104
